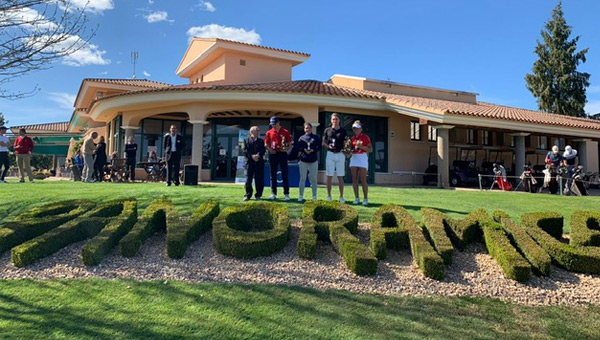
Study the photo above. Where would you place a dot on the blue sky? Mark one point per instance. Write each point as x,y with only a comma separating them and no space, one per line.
482,46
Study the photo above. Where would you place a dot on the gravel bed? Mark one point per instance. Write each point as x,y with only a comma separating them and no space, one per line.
474,272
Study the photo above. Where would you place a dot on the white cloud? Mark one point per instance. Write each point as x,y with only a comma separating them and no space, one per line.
206,6
94,6
103,73
84,54
26,18
592,107
146,74
157,17
150,2
223,32
64,100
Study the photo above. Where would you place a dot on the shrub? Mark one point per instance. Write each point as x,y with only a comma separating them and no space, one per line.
39,220
577,259
96,249
513,264
462,232
539,259
433,221
251,230
336,223
85,226
585,228
386,232
152,220
181,235
550,222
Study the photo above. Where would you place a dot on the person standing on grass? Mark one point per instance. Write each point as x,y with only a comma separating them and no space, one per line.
23,147
4,144
335,163
359,162
254,151
278,140
130,154
173,145
88,157
308,146
100,159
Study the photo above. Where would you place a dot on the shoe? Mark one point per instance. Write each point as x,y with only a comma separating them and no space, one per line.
258,198
30,181
342,200
356,201
300,198
273,197
2,181
176,184
328,198
168,184
286,197
366,202
314,198
21,181
90,181
246,198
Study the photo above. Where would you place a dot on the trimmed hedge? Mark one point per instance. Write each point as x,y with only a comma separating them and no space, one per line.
577,259
386,232
464,231
152,220
513,264
94,251
585,228
335,222
550,222
539,259
433,222
39,220
251,230
180,236
83,227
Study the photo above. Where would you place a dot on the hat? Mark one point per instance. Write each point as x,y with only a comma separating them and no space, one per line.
357,126
569,152
3,127
274,120
555,149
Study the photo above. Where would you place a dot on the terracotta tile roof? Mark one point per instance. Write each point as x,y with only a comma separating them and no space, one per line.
129,82
53,127
265,47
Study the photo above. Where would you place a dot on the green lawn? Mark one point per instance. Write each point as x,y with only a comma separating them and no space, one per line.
17,198
121,309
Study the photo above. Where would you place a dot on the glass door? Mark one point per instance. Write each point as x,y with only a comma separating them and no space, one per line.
225,155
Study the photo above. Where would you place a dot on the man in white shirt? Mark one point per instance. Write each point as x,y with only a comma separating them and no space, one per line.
4,162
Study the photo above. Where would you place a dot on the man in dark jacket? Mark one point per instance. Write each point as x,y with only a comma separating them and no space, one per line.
173,145
130,154
254,151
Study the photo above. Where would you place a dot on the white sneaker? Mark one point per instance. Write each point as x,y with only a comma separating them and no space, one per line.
314,198
273,197
300,198
365,202
356,201
286,197
342,200
328,198
2,181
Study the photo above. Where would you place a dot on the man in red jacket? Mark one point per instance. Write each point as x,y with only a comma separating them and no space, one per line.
23,148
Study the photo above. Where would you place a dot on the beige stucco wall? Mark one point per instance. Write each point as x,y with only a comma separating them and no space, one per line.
214,71
256,70
195,48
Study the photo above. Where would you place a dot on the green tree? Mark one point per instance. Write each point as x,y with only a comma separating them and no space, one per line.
3,120
555,82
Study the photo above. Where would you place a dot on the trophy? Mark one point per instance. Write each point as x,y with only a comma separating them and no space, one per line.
358,144
332,144
308,145
283,144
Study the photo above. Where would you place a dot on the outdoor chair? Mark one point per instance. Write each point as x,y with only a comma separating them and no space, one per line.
118,170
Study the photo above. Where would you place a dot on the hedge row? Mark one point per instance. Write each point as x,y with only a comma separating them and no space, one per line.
433,222
577,259
464,231
94,251
152,220
251,230
83,227
181,235
585,228
550,222
386,232
498,244
337,223
39,220
539,259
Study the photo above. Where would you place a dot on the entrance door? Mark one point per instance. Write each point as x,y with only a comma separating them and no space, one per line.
225,155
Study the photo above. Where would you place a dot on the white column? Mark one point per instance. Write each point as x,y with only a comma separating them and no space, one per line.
197,138
519,151
443,154
587,154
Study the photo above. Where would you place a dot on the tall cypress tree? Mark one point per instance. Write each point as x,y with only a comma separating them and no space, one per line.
555,82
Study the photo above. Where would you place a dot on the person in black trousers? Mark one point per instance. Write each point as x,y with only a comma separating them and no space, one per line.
130,154
100,159
173,145
254,150
4,161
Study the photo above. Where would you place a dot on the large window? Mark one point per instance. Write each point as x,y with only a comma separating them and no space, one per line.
471,136
542,142
485,138
432,133
415,130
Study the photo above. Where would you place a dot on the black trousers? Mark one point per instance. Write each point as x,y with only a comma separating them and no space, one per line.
173,166
4,162
256,171
279,160
99,169
130,166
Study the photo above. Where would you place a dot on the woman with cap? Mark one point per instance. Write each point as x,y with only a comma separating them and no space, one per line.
359,162
569,155
277,142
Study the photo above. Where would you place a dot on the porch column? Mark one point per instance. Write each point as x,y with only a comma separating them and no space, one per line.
443,156
197,138
129,132
586,154
519,151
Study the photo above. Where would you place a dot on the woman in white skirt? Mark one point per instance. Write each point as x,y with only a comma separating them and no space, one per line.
359,162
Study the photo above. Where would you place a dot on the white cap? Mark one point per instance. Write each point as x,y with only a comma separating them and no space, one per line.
356,125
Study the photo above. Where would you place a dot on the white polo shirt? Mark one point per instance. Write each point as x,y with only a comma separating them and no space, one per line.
5,140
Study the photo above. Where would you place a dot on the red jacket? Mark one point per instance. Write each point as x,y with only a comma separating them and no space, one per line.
23,145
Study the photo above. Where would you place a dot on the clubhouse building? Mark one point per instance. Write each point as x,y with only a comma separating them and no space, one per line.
232,86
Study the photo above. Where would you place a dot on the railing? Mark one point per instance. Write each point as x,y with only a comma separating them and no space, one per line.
561,182
414,174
